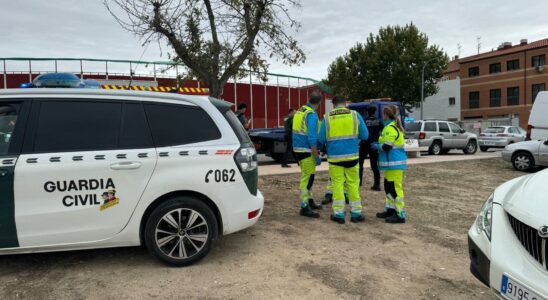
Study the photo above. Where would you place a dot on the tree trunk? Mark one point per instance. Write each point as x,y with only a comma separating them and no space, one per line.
215,88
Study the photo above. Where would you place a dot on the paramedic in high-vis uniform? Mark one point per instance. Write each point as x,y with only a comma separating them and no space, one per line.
393,161
305,147
341,130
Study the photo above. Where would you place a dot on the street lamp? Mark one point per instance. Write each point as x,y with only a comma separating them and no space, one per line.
422,87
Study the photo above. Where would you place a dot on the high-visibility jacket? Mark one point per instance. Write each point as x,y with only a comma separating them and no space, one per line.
305,127
342,129
395,158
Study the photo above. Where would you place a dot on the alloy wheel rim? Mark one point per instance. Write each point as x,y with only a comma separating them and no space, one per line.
437,149
181,233
471,147
522,162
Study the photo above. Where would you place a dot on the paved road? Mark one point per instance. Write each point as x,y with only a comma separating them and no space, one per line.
267,166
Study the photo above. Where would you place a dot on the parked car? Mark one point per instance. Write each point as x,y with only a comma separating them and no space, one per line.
538,122
525,156
500,137
441,136
91,168
508,244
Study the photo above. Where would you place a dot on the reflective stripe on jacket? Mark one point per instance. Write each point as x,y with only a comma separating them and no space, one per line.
395,158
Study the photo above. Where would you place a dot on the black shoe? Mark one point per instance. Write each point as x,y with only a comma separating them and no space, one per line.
328,199
338,220
359,219
308,212
376,188
286,166
395,219
386,214
313,205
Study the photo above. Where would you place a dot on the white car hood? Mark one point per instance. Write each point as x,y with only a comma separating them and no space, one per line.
526,198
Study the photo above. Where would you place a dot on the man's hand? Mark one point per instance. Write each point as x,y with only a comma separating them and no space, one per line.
314,151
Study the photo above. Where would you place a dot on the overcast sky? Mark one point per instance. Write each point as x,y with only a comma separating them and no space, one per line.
78,28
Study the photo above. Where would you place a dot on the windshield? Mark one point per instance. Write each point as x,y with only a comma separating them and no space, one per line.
415,126
494,130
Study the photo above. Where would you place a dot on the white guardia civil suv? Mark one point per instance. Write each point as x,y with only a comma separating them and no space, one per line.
508,244
88,168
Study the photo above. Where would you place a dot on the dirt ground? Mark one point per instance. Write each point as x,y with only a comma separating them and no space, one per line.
287,256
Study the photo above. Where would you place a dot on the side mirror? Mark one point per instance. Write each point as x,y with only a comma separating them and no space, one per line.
462,130
546,142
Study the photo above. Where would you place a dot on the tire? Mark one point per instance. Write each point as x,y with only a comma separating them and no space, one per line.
435,148
163,239
471,148
523,161
484,149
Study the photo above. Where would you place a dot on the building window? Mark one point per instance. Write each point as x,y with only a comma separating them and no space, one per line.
494,98
513,95
538,60
494,68
536,89
451,101
512,65
474,71
473,99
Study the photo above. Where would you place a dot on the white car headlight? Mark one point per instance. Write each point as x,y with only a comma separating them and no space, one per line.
484,219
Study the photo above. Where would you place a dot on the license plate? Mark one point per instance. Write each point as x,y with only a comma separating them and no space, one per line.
489,143
513,290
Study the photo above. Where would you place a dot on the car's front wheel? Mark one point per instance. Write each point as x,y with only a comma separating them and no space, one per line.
471,147
523,161
180,231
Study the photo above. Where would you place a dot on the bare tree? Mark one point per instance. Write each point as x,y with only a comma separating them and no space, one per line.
216,38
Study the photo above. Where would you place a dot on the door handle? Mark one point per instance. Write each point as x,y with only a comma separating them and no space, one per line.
126,166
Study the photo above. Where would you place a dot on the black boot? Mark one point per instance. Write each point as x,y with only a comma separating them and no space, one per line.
338,220
359,219
313,205
395,219
386,214
328,199
308,212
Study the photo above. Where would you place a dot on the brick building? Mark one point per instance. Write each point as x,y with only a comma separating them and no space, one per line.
503,83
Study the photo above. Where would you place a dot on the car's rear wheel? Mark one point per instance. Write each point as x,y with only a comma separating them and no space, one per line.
471,147
180,231
435,148
484,149
523,161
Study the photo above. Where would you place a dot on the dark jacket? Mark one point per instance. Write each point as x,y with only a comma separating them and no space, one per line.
288,127
374,127
242,118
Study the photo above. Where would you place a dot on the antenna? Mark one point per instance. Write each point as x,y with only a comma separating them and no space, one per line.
459,48
478,39
131,72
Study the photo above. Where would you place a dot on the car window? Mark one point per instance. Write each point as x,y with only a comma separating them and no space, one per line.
173,124
414,126
134,131
430,126
454,128
8,119
494,130
77,126
443,127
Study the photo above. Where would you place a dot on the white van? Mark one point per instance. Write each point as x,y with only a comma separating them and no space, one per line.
538,121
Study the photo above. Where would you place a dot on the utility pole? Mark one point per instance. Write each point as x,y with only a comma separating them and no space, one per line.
422,87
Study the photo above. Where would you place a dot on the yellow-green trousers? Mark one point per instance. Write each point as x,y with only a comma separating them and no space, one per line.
308,171
393,186
351,176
